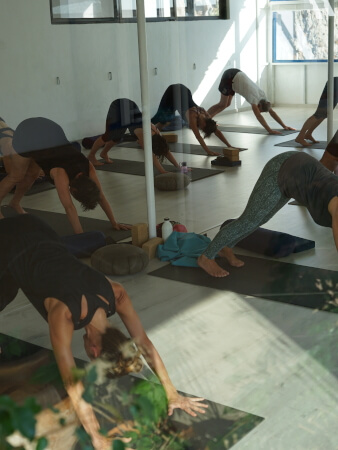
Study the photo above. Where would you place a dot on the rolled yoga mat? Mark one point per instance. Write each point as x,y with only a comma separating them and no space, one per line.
320,145
181,147
217,424
60,223
137,168
282,282
253,130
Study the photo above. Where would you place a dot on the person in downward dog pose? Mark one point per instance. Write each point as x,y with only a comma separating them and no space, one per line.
71,295
235,81
124,114
287,175
178,97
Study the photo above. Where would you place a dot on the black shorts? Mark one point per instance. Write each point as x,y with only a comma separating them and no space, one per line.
321,111
332,146
225,86
123,113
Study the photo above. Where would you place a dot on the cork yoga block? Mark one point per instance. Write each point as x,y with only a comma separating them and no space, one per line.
170,138
150,247
139,234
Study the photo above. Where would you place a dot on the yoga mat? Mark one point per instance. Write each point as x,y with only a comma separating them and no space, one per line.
180,147
60,223
137,168
294,202
272,280
253,130
320,145
219,428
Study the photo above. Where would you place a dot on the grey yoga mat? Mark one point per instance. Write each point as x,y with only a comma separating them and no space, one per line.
137,168
293,284
60,223
253,130
319,145
182,147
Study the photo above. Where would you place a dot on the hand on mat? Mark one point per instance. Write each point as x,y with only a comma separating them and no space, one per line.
190,405
274,132
290,128
122,226
210,153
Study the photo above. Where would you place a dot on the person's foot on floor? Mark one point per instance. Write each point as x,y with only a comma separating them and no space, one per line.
211,267
106,158
302,142
311,138
232,259
94,161
18,208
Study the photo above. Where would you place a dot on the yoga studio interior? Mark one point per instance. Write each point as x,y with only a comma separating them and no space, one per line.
241,95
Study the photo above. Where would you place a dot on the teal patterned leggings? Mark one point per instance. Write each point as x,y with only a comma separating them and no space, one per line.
264,202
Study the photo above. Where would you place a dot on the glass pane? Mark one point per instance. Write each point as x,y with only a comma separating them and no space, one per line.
206,8
128,9
85,9
301,35
157,8
181,8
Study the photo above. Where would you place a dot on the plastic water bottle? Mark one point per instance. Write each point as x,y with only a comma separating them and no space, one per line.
184,168
167,228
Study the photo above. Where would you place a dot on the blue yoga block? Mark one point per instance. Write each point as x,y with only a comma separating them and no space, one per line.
84,244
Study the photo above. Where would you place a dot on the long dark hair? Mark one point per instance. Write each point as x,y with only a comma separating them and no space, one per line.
210,127
121,352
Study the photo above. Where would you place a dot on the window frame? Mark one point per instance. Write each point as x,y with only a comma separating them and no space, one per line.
224,14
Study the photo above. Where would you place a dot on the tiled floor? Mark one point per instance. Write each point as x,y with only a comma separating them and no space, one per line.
271,359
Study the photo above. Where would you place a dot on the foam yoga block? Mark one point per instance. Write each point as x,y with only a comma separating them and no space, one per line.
150,246
172,181
139,234
84,244
119,259
273,243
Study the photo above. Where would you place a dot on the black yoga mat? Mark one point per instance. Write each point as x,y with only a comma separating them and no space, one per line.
181,147
60,223
219,428
269,279
137,168
253,130
320,145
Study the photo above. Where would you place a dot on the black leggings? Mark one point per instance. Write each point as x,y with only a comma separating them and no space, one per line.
177,97
321,111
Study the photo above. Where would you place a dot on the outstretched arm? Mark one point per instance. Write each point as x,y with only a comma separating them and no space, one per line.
61,182
221,136
61,331
131,320
103,202
276,117
196,132
262,121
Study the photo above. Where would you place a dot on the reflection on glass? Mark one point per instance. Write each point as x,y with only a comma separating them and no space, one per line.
85,9
301,35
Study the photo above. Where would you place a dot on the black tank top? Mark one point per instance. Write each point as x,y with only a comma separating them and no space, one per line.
42,267
66,157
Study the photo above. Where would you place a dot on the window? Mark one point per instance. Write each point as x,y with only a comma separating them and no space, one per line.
300,34
89,11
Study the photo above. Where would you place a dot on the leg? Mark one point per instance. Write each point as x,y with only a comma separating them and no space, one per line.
224,102
105,150
18,167
96,146
24,185
306,132
166,110
264,202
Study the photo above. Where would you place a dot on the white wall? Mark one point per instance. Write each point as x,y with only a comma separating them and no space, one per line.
34,52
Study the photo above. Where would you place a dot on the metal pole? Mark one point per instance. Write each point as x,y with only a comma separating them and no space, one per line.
330,80
146,123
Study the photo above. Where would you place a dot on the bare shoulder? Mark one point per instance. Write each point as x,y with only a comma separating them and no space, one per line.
333,206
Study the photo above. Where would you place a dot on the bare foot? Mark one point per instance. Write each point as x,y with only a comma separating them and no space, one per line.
18,208
106,158
311,138
229,255
211,267
302,142
94,161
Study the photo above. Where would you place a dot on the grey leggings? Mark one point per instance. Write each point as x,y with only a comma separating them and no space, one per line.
265,200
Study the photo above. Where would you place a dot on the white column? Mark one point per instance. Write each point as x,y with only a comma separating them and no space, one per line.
148,154
330,81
